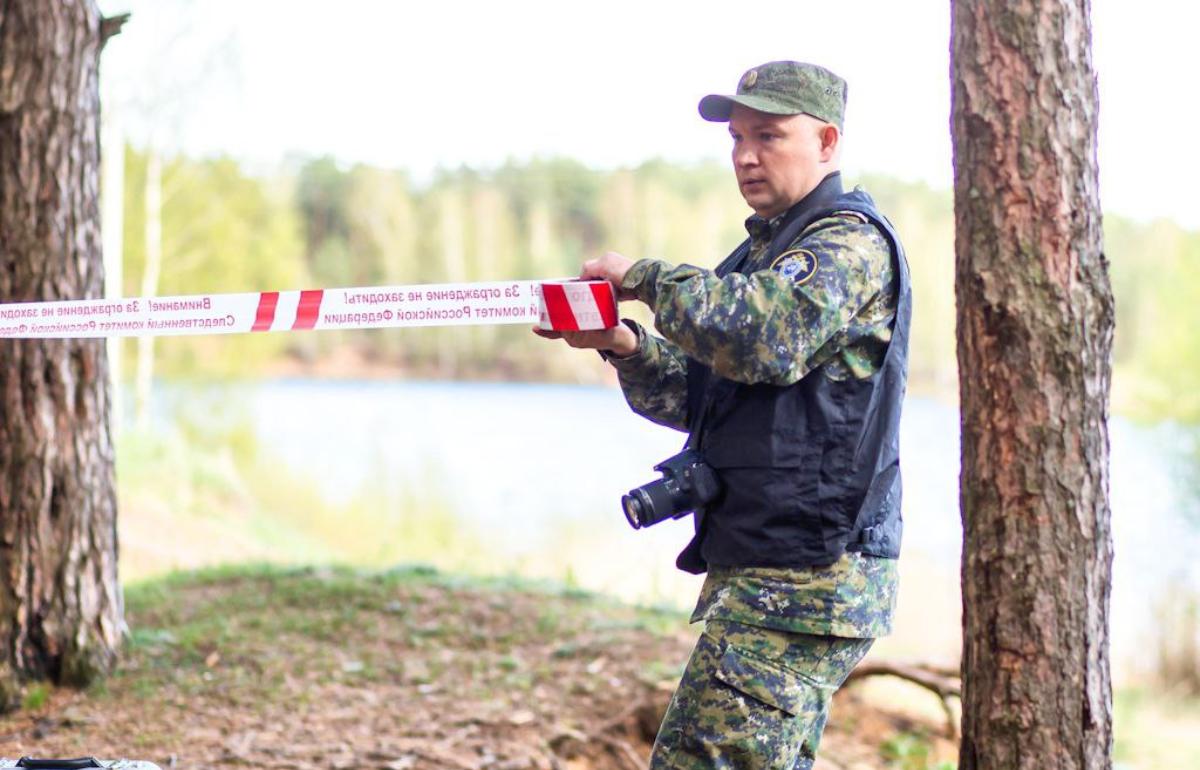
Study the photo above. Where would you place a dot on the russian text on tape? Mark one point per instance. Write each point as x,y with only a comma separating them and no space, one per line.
354,308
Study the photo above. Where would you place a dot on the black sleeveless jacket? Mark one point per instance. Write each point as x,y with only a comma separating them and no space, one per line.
810,470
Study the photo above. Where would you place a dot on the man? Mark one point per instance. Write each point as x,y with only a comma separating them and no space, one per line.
786,365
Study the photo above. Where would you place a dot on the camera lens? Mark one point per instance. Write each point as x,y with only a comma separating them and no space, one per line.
633,506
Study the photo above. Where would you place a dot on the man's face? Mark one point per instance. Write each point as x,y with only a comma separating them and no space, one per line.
777,158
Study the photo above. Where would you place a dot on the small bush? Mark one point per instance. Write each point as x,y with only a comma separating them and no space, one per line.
36,696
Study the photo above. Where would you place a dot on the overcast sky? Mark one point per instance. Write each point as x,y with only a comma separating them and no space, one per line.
421,85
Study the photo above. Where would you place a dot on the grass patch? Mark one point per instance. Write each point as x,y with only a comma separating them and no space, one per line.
250,626
225,501
911,751
36,696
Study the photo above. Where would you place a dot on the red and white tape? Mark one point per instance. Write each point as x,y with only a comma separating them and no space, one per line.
557,305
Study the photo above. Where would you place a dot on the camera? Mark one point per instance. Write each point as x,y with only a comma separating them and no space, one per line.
687,483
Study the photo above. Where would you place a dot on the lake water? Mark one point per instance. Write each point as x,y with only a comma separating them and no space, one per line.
537,472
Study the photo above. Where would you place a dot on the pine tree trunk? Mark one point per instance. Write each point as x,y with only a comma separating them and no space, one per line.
1035,325
60,603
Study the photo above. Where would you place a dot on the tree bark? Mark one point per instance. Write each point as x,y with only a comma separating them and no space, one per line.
60,603
1035,325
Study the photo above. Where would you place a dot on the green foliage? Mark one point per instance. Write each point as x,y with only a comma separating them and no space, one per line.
222,231
322,200
911,751
1156,357
36,696
1155,732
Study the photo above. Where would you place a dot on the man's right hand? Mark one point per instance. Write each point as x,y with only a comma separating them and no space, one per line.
610,267
620,341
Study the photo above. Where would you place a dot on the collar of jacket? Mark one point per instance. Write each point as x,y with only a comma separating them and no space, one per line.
829,188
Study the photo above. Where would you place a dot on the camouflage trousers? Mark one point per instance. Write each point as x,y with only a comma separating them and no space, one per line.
753,698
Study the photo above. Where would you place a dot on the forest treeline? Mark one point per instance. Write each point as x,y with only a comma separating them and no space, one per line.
316,223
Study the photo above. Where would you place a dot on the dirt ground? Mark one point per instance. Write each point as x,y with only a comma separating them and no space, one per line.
404,670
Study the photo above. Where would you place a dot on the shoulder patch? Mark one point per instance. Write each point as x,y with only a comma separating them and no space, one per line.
797,265
832,220
851,215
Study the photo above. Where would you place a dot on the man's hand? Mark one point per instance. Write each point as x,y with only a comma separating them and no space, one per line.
611,267
620,340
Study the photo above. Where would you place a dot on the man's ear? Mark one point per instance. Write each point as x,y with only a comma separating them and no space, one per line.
830,136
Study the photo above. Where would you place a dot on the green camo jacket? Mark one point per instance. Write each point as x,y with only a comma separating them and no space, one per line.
828,302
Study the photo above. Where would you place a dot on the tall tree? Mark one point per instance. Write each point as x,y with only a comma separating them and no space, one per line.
1035,327
60,603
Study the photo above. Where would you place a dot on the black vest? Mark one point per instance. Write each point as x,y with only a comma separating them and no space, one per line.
809,470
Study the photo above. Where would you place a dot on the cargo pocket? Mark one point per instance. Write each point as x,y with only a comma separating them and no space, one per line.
751,714
771,683
737,709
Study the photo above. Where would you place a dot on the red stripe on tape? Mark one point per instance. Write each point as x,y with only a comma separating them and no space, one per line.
603,294
558,308
309,309
267,301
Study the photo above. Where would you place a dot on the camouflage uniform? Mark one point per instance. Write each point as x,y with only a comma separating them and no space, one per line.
763,326
753,697
778,641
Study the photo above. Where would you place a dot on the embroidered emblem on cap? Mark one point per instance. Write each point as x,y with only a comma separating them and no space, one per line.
797,265
750,79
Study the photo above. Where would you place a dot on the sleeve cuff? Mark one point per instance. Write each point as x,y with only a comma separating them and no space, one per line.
634,359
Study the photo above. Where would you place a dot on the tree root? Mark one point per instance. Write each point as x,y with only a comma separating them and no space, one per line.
617,736
943,681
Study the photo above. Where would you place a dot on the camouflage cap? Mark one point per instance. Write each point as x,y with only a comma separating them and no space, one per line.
783,88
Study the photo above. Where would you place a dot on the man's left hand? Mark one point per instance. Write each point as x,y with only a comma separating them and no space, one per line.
611,267
620,341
